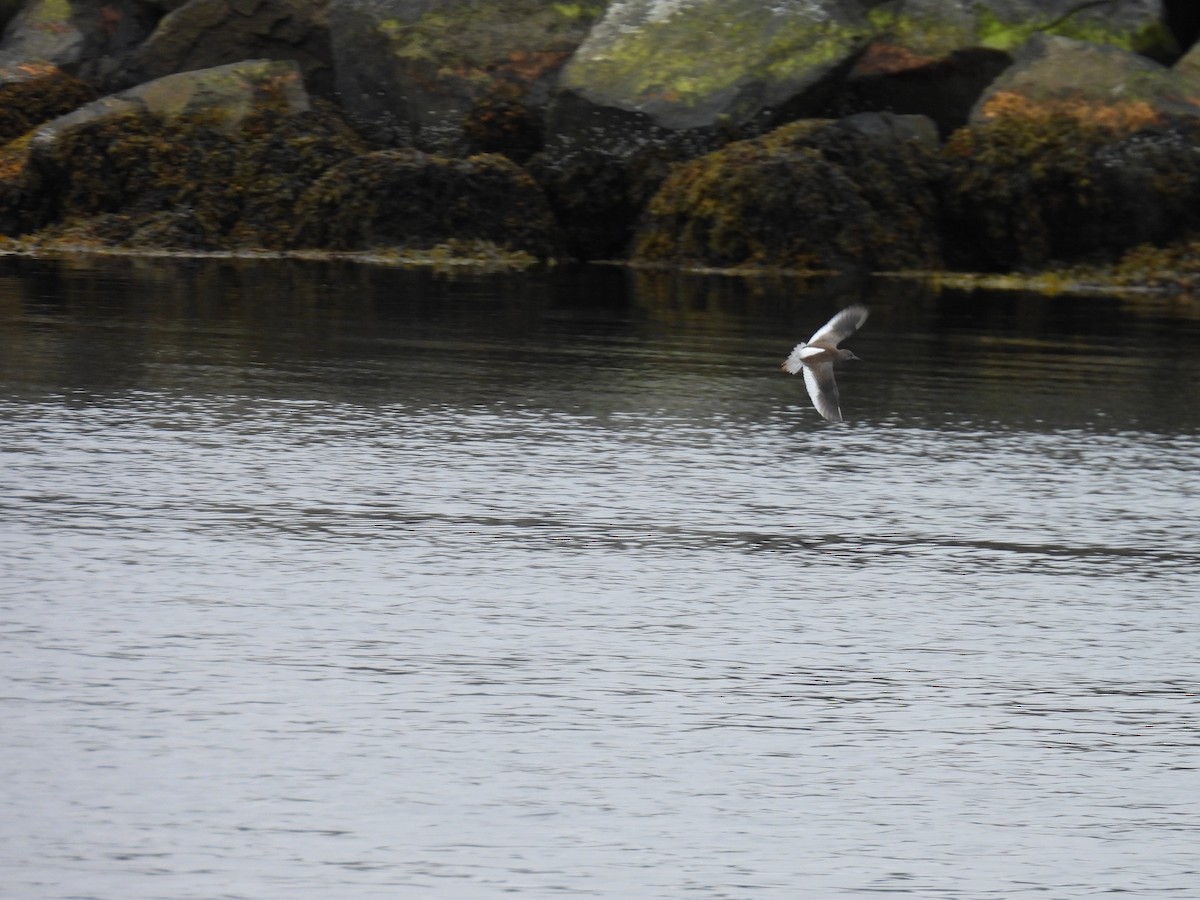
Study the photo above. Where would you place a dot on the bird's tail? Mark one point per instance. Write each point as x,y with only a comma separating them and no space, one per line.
792,364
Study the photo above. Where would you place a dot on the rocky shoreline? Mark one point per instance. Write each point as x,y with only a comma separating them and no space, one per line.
1049,142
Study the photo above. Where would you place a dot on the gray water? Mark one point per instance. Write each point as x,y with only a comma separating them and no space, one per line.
323,581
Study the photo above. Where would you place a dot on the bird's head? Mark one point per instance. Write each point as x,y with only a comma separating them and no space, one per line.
848,354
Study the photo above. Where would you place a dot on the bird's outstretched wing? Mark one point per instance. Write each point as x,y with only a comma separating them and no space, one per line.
823,390
841,326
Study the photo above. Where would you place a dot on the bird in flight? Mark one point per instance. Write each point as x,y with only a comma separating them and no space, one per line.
816,358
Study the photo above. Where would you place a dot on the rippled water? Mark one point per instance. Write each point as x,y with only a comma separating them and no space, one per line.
322,581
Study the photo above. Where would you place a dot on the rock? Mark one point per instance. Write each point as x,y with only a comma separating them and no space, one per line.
1122,91
454,77
8,9
1027,192
811,195
35,92
932,29
406,199
203,34
209,160
83,37
1188,65
597,197
935,57
225,95
943,88
695,73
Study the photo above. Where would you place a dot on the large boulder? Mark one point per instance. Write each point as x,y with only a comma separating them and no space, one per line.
935,57
1188,65
1093,83
405,199
202,34
695,73
597,197
1028,192
35,92
203,160
1076,153
454,77
857,194
224,95
87,38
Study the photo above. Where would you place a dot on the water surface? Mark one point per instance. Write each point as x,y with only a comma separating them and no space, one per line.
327,581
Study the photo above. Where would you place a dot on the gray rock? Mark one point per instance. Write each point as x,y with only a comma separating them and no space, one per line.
457,76
935,57
85,37
694,72
1092,83
228,94
891,127
1189,64
202,34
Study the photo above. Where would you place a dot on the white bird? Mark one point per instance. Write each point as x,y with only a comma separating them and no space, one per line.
816,359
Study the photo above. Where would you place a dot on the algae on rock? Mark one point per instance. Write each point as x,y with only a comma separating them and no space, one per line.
809,196
1030,192
406,199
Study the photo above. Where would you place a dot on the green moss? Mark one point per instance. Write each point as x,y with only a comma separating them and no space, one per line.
658,60
572,11
925,35
463,35
936,36
49,14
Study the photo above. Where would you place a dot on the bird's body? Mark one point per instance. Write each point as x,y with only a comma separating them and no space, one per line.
815,358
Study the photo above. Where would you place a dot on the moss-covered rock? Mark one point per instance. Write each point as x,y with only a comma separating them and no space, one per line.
930,29
171,166
693,69
408,199
1188,65
1028,192
455,77
158,147
35,92
202,34
83,37
1097,85
1174,267
813,195
935,57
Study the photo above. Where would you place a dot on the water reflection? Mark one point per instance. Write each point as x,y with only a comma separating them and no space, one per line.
326,580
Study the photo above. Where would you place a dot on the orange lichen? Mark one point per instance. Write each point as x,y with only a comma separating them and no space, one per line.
1124,117
529,65
24,71
889,59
